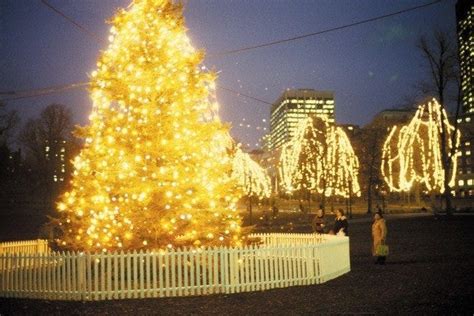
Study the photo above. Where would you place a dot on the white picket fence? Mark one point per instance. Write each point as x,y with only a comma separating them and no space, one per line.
281,260
25,246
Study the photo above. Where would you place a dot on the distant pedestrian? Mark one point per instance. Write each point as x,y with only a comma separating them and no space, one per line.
302,208
319,222
274,210
379,235
341,226
379,210
265,219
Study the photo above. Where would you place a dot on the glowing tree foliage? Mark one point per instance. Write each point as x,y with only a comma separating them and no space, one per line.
290,172
319,158
412,154
155,170
250,176
343,165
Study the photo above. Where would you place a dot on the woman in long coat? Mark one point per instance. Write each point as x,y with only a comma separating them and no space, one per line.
340,224
319,222
379,235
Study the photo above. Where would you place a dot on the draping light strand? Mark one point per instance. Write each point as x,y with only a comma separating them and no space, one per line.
413,153
250,176
319,158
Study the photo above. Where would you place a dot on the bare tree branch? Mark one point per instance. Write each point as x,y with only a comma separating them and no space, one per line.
8,122
440,55
53,125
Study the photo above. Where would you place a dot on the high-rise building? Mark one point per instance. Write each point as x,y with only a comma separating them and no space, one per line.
350,129
293,106
389,117
55,155
465,23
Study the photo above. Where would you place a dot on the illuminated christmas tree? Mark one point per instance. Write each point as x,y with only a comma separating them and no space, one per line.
319,158
412,154
155,170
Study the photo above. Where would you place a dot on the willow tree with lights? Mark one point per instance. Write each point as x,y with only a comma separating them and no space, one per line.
319,158
344,173
252,179
412,154
299,164
250,176
155,170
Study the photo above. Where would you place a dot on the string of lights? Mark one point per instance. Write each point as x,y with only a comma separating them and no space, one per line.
319,158
412,153
250,176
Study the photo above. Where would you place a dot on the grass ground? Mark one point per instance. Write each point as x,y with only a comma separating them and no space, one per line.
429,271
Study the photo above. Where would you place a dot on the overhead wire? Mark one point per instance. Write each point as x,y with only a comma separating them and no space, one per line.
281,41
52,90
31,93
71,20
23,94
243,94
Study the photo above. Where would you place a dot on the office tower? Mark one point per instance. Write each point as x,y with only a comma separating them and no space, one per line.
55,155
465,22
293,106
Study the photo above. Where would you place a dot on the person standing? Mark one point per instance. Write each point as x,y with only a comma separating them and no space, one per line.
274,210
341,226
379,235
265,218
319,222
302,208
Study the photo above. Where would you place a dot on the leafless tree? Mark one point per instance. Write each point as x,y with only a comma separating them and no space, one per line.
47,141
440,56
8,121
368,144
53,125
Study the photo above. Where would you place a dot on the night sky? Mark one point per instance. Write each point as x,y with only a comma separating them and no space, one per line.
369,67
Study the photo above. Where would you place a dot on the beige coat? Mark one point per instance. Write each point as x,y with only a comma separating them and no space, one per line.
379,233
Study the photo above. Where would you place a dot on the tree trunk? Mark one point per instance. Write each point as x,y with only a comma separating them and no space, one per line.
309,201
250,209
447,172
369,198
433,201
417,194
323,200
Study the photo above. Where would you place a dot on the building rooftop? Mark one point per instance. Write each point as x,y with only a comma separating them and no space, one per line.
304,94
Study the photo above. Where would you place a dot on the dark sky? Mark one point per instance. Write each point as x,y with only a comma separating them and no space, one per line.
369,67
